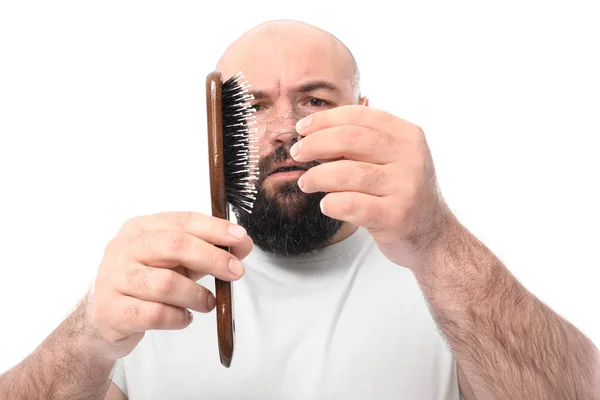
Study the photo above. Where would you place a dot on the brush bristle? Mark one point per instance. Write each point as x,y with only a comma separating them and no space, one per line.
239,146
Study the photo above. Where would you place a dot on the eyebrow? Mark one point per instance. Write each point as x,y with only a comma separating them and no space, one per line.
258,94
315,85
303,88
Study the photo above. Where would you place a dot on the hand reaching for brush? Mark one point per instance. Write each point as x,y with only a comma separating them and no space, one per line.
147,278
382,177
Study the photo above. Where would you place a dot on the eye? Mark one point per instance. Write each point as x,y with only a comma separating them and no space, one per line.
314,102
257,107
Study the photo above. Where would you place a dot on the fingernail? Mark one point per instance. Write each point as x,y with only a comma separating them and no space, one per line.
190,317
236,267
303,123
301,182
296,149
237,231
211,301
321,206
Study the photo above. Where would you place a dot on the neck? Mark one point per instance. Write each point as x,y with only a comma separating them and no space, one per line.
345,231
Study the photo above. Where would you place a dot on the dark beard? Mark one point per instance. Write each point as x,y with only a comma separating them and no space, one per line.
289,222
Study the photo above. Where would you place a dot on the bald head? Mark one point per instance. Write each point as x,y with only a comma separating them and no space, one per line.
290,49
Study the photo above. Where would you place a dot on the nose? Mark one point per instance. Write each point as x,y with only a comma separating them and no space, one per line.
287,138
280,126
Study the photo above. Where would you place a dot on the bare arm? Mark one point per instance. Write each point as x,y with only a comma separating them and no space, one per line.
63,366
508,343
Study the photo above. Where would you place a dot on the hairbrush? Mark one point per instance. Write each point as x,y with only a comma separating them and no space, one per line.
232,156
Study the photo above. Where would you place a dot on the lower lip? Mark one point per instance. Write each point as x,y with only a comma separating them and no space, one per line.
286,176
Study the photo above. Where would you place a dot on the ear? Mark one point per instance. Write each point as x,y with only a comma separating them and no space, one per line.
364,101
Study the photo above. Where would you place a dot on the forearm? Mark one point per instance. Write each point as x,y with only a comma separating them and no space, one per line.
509,344
62,367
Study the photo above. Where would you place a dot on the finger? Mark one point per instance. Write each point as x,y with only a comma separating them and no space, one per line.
242,249
135,315
165,286
169,249
349,141
348,115
348,176
213,230
357,208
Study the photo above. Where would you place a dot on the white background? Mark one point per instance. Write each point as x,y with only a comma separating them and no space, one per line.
102,118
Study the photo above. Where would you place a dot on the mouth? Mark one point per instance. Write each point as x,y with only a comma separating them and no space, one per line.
288,171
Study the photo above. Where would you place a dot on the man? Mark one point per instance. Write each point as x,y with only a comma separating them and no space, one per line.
373,290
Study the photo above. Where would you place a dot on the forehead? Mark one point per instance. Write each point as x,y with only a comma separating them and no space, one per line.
282,60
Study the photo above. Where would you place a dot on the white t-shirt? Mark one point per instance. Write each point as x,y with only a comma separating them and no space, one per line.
343,323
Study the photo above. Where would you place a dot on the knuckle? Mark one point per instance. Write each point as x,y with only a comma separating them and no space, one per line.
376,138
386,116
358,112
418,137
149,239
164,282
182,219
386,139
156,313
131,312
113,247
173,241
137,279
217,225
130,226
419,132
348,207
176,241
219,259
390,178
178,219
341,172
350,135
417,161
366,175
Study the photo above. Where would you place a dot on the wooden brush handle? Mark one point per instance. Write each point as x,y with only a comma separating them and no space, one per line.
223,293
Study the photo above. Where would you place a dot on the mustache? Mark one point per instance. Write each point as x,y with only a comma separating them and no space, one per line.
280,155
